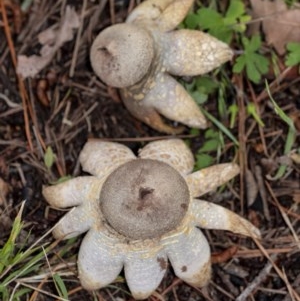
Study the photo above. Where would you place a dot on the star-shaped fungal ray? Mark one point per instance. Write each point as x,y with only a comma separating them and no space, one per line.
165,14
208,215
180,158
170,99
72,192
100,260
208,179
189,255
148,115
145,271
190,52
100,158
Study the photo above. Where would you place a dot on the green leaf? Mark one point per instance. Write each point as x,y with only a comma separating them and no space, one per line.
254,44
209,145
49,157
293,57
199,97
252,72
192,21
239,65
211,133
261,63
252,62
209,18
203,160
221,27
236,18
7,252
233,109
251,110
206,84
235,10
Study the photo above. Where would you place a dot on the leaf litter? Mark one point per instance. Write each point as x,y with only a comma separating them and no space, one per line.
280,23
51,40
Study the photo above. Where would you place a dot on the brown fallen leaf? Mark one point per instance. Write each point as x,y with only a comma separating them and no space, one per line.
280,23
251,187
296,197
51,39
224,256
4,189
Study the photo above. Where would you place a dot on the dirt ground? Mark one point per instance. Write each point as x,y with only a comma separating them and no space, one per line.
65,104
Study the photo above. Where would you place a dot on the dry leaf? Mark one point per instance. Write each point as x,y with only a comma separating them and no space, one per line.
224,256
262,191
51,39
296,197
4,189
251,188
280,24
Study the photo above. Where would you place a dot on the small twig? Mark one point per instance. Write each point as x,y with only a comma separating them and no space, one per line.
22,89
259,279
242,142
227,294
284,216
10,103
112,11
144,139
293,293
77,42
275,82
296,284
257,253
42,291
262,192
261,132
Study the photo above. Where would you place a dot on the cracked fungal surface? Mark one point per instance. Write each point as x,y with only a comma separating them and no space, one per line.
142,212
140,55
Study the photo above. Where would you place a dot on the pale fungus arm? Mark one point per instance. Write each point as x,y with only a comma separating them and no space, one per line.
148,115
144,272
77,221
189,254
164,14
82,192
170,99
191,52
171,151
73,192
100,158
100,260
208,179
208,215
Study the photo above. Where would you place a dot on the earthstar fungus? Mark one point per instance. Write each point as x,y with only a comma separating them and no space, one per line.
141,212
140,55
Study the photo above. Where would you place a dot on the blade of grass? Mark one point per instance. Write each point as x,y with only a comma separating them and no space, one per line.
60,286
291,135
220,126
7,252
